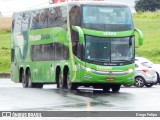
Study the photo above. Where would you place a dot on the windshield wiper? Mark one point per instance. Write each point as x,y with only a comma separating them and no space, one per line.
98,60
122,60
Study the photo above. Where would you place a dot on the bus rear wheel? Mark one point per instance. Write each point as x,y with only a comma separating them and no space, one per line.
24,80
115,88
28,77
70,85
30,84
59,80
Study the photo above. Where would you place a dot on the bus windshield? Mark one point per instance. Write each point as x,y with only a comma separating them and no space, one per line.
109,50
108,18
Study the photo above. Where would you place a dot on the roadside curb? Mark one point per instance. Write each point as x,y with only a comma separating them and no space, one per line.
4,75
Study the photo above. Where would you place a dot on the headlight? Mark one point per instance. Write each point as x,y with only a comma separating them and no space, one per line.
87,69
130,70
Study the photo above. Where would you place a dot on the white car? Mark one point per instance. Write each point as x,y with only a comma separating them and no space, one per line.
145,74
155,66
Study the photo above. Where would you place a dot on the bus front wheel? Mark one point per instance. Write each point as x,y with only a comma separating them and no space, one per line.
115,88
106,88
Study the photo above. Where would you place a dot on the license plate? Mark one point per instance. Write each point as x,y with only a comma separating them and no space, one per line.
110,79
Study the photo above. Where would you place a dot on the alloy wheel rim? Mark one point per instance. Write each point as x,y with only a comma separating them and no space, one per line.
139,82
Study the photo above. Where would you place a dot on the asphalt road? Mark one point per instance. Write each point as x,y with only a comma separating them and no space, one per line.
14,97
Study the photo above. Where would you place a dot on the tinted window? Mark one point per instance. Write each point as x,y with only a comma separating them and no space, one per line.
47,52
35,19
65,52
110,18
57,17
18,22
49,17
59,51
75,19
44,15
25,21
109,50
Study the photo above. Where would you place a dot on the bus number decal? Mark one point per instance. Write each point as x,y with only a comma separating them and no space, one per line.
110,33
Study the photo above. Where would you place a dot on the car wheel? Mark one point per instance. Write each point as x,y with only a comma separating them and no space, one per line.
148,85
139,81
158,78
115,88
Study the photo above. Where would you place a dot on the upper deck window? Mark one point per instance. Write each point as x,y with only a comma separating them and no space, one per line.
104,17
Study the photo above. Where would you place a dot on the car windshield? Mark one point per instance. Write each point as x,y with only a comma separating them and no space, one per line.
110,18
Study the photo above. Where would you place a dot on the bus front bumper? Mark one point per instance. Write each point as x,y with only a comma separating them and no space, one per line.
90,77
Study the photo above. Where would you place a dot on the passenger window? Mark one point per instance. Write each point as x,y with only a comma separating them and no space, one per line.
18,22
44,15
74,18
26,21
35,20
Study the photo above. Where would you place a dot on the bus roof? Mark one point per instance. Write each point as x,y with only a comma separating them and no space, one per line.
98,2
89,2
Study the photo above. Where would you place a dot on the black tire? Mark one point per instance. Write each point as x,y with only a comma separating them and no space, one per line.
30,84
69,84
148,85
158,78
24,80
74,86
59,79
106,88
37,85
139,82
115,88
28,77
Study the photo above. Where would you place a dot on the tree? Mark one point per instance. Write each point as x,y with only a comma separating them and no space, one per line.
147,5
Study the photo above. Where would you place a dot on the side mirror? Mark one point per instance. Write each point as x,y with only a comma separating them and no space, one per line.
80,33
140,36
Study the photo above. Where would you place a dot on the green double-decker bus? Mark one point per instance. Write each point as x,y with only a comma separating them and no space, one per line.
72,44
